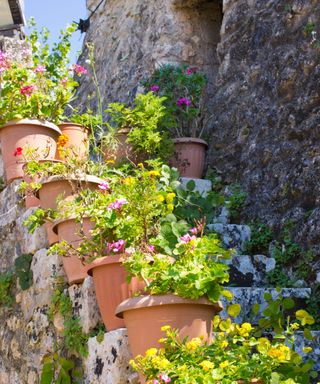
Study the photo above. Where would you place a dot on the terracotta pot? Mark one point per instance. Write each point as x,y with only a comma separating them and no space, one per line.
145,315
109,276
26,133
68,230
124,150
78,140
189,156
57,186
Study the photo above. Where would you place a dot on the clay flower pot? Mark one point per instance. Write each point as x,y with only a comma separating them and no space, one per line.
18,135
145,315
77,140
56,186
69,230
109,277
189,156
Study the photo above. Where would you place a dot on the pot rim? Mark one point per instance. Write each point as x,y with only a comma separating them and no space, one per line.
69,218
158,300
195,140
39,122
104,260
72,125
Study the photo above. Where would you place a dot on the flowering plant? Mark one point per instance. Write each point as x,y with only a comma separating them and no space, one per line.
41,83
184,90
236,356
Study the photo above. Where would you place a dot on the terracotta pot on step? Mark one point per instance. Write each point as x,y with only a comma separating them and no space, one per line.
39,135
124,151
57,186
69,230
77,140
189,156
145,315
109,276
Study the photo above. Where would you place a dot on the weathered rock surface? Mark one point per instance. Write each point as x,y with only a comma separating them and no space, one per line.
232,235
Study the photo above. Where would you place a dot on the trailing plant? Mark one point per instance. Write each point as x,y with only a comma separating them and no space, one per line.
6,284
23,270
261,237
235,202
235,356
184,91
57,369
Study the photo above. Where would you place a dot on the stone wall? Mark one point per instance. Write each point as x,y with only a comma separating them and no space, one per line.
263,66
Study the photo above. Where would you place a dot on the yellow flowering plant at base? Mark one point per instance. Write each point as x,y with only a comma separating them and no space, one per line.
237,355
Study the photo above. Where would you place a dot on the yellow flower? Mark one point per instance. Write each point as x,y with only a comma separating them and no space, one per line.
128,180
224,364
141,165
193,344
307,349
295,326
151,352
62,140
160,363
170,196
244,329
224,344
281,353
263,345
154,173
162,340
160,198
165,328
110,161
170,207
206,365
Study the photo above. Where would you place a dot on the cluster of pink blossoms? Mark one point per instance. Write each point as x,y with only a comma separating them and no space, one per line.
116,246
164,378
40,69
78,69
4,62
183,101
187,238
27,90
117,204
104,186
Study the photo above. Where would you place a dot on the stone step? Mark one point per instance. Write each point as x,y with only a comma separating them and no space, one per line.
248,296
10,209
232,235
249,271
202,186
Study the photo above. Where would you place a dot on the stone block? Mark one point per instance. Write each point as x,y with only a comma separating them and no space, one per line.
232,235
108,361
10,209
202,186
249,271
85,304
300,343
30,242
247,297
223,217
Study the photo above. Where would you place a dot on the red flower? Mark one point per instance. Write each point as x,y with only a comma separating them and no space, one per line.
27,90
18,151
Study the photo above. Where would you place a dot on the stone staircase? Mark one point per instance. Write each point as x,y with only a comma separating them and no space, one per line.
26,335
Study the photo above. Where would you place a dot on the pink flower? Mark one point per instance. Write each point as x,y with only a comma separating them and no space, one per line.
117,204
18,151
116,246
192,70
194,231
155,381
154,88
151,248
164,377
187,238
27,90
4,62
40,69
79,70
26,52
183,101
104,186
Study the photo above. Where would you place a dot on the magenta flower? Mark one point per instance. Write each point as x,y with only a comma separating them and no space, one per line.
194,231
27,90
151,248
104,186
154,88
117,204
164,377
187,238
79,70
155,381
183,101
40,69
116,246
192,70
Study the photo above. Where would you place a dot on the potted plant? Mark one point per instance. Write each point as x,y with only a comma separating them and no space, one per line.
238,355
33,94
134,132
183,294
184,92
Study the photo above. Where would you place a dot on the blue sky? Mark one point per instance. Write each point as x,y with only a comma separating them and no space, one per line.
55,15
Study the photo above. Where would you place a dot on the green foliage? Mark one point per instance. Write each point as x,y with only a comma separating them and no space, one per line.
309,28
6,285
59,370
313,304
23,271
144,120
175,83
235,203
2,184
38,218
98,332
261,237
